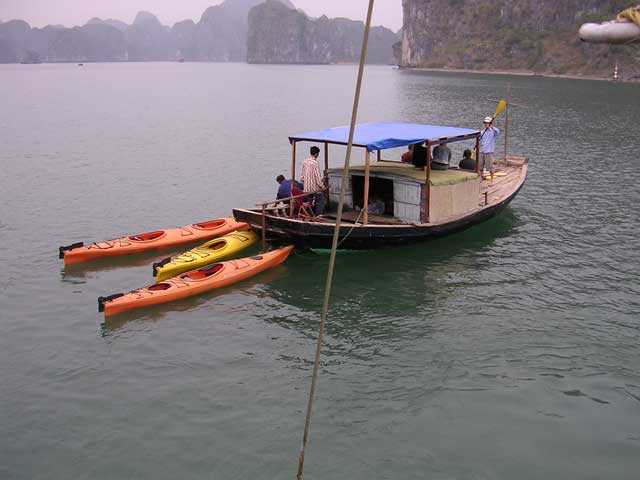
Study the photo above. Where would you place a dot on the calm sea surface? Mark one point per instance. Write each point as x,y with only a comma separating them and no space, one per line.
508,351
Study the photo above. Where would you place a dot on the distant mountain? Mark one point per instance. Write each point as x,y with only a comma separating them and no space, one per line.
13,41
220,35
120,25
279,34
184,37
147,39
89,43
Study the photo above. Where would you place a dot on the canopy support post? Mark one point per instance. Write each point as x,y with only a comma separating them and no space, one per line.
367,161
478,156
293,175
325,177
264,229
506,122
427,185
379,155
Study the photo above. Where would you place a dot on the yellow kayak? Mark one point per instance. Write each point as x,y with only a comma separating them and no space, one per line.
205,254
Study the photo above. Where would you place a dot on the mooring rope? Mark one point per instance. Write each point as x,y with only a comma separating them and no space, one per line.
355,224
334,246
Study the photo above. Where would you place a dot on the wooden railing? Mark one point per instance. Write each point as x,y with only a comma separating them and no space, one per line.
263,206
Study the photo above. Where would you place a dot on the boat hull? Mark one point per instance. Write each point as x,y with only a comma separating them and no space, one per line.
192,283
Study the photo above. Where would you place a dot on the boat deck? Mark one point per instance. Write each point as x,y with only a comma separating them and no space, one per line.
510,173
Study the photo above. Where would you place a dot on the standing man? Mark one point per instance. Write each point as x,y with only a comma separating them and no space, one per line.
312,179
488,136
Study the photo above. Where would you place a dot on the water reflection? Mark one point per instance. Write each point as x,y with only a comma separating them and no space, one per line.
80,270
402,286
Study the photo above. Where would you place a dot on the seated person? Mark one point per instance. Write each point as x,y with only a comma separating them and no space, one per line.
408,155
303,206
441,157
284,190
467,163
419,157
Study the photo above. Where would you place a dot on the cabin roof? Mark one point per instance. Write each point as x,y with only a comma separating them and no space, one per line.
383,135
392,170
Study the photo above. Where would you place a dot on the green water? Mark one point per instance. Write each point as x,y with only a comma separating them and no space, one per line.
507,351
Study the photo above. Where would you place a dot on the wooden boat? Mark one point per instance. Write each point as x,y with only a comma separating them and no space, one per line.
205,254
417,203
207,278
143,242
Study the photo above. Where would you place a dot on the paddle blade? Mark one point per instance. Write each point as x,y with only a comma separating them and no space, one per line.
501,106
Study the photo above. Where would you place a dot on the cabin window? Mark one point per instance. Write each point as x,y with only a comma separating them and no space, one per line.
380,194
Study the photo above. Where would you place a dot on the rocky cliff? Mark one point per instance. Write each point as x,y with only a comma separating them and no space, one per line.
278,34
535,35
220,35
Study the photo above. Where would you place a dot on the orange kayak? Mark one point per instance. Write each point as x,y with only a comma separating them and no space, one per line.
143,242
207,278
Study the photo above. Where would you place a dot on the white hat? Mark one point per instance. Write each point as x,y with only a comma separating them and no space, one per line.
487,120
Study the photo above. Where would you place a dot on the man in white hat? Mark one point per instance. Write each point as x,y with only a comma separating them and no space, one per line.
488,136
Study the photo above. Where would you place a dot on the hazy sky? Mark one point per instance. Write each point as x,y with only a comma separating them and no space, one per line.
39,13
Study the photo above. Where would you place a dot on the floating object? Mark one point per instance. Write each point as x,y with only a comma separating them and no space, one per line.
210,252
194,282
624,29
609,32
419,203
143,242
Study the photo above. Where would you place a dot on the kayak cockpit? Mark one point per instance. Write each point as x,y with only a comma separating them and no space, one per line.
210,225
147,237
204,272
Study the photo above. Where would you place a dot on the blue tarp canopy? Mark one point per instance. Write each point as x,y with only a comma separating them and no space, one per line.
383,135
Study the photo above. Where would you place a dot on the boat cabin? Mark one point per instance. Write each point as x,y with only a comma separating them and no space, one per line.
391,191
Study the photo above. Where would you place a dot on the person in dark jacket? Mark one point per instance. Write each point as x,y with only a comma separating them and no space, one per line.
419,157
467,163
284,190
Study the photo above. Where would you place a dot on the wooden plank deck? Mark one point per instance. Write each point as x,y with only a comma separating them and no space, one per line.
501,187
